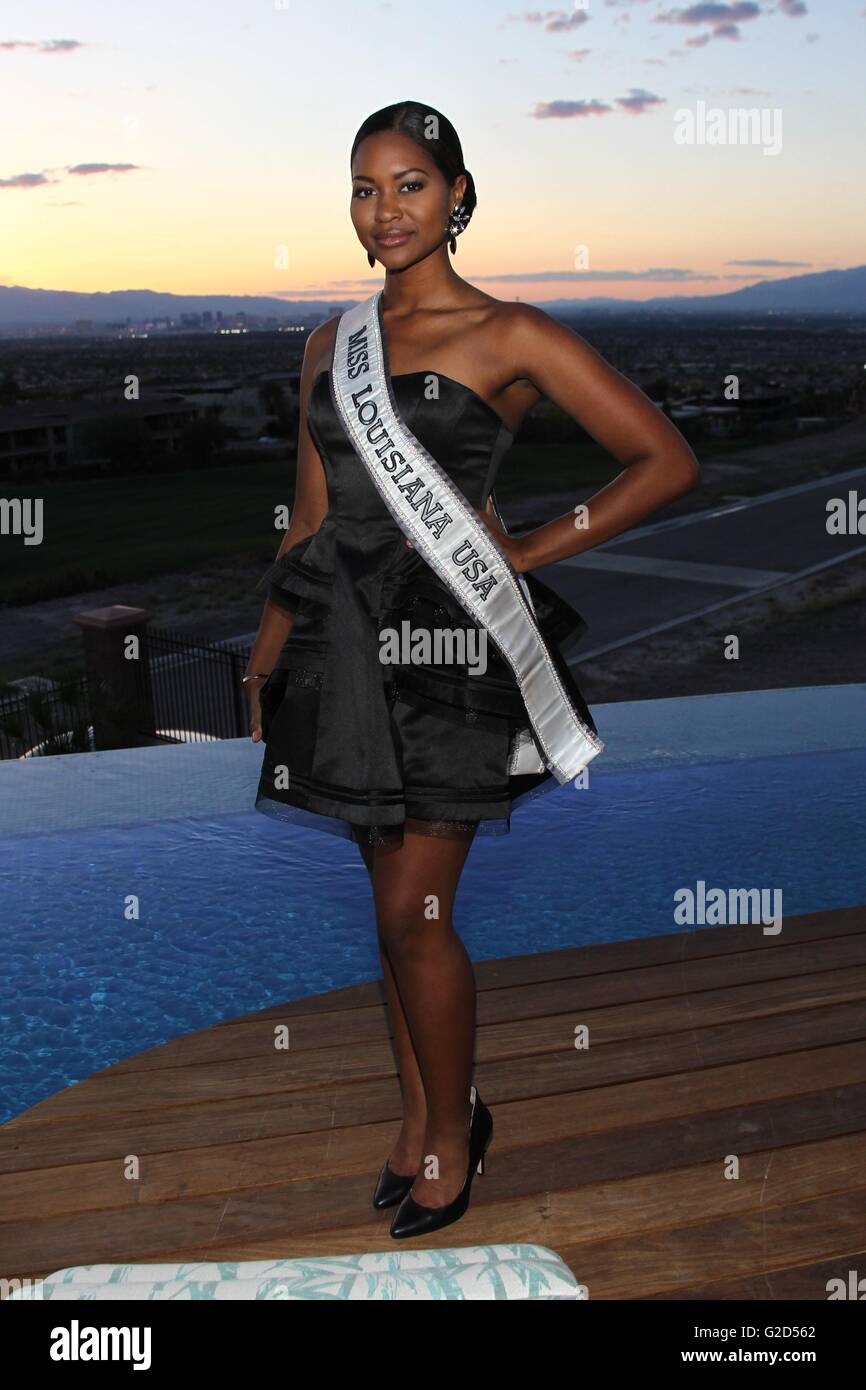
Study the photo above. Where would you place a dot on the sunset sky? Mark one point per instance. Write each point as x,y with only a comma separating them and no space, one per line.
175,147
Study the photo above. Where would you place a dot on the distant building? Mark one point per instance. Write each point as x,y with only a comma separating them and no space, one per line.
728,420
243,406
46,436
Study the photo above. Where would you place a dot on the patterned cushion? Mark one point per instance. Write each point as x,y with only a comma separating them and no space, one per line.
470,1272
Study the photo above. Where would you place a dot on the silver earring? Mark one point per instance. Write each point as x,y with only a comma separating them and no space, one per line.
457,223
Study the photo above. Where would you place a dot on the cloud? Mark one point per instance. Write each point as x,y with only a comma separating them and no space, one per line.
566,110
26,181
639,101
723,20
664,274
43,45
102,168
667,275
766,262
554,21
38,180
715,14
724,31
636,103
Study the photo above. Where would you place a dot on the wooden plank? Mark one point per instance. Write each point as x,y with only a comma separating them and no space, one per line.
274,1222
369,1119
639,1265
563,1070
363,1053
571,1161
703,1043
110,1088
667,1261
796,1284
531,1117
582,962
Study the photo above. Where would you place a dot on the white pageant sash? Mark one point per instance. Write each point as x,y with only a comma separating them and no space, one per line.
434,514
524,755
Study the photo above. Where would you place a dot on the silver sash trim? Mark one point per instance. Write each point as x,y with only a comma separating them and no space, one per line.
523,755
436,517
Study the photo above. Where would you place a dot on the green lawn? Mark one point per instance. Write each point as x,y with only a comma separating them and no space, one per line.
109,530
112,530
101,531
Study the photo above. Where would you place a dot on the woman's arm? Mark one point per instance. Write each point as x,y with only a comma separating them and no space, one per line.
310,506
658,465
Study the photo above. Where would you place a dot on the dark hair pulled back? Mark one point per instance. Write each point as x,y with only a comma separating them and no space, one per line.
432,132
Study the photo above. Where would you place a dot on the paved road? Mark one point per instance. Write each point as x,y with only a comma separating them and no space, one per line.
664,573
670,571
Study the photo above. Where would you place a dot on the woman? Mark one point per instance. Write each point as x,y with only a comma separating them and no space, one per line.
412,752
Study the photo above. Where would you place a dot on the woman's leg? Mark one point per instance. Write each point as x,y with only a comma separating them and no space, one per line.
405,1156
414,888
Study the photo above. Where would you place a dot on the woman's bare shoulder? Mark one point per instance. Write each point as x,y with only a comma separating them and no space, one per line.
511,321
320,345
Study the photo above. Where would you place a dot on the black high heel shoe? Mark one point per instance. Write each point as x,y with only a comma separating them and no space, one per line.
391,1187
413,1218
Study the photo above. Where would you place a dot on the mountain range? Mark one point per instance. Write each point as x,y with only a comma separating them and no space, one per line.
825,292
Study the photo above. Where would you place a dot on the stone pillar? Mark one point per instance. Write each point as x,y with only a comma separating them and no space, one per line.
118,677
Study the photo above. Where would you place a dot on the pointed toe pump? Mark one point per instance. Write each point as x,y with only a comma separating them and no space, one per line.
413,1218
391,1187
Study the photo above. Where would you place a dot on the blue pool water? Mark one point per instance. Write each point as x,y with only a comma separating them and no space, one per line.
238,912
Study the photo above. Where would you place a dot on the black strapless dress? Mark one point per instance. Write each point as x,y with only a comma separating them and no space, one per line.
361,748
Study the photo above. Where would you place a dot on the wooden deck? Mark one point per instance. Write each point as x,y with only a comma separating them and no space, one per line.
713,1044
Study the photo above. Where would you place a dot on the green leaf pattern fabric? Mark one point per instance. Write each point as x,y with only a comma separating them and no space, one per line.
484,1272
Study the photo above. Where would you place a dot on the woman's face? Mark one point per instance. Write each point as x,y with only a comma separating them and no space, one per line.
400,202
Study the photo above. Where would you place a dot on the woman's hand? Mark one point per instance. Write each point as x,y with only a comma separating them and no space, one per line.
252,688
511,545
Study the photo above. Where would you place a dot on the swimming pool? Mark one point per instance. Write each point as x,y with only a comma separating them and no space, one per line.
124,928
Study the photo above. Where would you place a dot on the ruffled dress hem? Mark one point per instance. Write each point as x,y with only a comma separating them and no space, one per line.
380,833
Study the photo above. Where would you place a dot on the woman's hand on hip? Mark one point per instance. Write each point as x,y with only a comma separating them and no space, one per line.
511,545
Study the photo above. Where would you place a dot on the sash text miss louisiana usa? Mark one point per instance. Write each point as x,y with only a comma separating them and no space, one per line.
431,512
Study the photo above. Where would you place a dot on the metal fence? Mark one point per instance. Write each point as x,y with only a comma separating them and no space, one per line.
39,722
196,687
191,690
